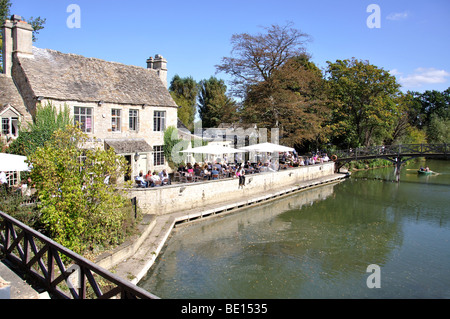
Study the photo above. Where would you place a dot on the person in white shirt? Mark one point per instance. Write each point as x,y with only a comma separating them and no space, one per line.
155,178
4,180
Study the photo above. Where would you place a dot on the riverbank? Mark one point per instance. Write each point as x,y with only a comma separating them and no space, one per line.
132,261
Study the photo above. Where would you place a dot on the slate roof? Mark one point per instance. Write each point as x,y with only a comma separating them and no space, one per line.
9,95
71,77
129,145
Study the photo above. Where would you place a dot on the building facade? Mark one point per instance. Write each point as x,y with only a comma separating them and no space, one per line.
121,106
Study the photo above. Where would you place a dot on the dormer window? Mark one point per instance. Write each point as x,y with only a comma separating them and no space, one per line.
10,126
10,122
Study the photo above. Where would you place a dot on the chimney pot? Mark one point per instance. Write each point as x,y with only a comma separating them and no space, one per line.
16,17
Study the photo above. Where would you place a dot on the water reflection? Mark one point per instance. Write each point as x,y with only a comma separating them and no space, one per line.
317,244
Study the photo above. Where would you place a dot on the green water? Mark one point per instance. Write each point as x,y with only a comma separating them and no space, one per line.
319,243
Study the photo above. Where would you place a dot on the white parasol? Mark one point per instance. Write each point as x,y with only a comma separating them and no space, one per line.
213,149
13,163
267,147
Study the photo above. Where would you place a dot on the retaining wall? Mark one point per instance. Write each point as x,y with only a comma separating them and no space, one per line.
180,197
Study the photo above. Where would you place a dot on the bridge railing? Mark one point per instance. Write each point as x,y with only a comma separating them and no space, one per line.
63,273
393,150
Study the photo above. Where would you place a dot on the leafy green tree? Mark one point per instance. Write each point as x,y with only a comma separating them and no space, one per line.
172,145
79,200
429,114
256,57
363,102
47,120
184,92
438,130
215,107
293,100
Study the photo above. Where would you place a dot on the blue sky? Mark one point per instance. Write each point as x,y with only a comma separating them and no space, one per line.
413,40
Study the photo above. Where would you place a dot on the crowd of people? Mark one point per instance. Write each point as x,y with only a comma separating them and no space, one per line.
153,179
219,170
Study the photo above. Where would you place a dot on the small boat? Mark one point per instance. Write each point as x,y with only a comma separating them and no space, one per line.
424,172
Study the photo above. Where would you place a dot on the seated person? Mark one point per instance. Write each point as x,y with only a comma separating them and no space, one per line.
165,180
214,173
148,176
182,169
206,172
197,170
190,169
154,179
140,180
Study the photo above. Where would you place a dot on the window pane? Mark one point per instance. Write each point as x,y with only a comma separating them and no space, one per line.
158,155
83,116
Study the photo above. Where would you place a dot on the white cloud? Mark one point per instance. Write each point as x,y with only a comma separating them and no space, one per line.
397,16
421,76
395,72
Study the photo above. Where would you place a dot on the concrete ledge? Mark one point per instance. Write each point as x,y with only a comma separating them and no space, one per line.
110,259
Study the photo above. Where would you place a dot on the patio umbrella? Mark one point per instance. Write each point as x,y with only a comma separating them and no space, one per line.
213,149
267,147
13,163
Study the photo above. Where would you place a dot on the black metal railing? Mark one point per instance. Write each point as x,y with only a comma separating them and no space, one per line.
416,150
58,270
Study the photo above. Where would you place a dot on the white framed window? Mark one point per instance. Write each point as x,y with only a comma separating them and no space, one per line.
83,118
159,121
133,120
115,120
10,126
158,155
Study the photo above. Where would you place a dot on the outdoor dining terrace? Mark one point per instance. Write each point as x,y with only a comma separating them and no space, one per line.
201,172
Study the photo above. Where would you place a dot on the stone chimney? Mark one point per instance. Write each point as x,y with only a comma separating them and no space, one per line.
17,39
159,64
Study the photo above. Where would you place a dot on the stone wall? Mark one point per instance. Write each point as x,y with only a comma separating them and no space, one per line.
180,197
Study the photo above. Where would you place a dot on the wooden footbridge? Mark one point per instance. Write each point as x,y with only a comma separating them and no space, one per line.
397,154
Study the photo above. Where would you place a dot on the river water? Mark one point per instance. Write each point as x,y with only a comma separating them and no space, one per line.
319,243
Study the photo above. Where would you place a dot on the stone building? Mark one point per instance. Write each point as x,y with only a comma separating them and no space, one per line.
121,106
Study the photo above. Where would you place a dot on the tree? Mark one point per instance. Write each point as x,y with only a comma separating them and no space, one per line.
173,145
80,204
184,92
36,23
47,120
438,130
256,57
292,100
215,107
362,101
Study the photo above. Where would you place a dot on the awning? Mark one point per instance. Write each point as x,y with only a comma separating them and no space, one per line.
13,163
267,147
129,145
213,149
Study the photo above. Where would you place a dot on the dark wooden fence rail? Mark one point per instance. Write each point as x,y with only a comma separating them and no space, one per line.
60,271
389,151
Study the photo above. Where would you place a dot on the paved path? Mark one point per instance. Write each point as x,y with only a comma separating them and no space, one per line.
18,288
